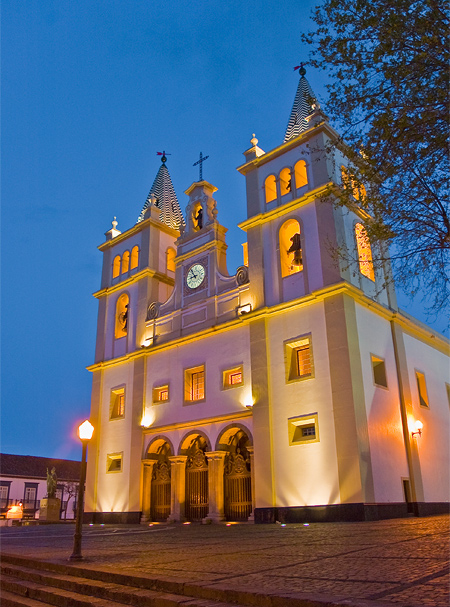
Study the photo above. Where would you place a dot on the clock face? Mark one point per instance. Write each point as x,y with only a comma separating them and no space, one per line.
195,276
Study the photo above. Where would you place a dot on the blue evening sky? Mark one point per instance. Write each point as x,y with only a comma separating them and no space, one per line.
91,90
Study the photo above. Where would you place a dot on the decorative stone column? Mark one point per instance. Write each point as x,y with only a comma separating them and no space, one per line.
216,466
251,452
177,488
147,471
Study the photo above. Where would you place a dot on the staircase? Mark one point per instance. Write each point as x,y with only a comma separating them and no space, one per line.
27,582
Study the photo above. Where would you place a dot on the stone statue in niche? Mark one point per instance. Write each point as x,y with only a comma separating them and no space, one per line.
51,483
296,248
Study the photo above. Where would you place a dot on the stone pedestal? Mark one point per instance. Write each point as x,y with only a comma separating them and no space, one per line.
49,509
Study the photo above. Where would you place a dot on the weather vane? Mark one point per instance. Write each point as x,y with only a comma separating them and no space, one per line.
200,162
301,69
163,154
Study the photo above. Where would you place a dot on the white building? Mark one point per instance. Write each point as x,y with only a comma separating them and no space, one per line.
289,391
23,479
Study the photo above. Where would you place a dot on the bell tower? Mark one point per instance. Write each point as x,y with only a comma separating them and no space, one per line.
295,233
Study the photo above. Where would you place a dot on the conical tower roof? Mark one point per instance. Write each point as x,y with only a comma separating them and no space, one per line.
303,102
166,199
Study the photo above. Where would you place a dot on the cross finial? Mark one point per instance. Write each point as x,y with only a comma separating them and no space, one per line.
200,163
163,154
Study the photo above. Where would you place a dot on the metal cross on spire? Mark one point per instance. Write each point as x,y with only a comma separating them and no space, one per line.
200,163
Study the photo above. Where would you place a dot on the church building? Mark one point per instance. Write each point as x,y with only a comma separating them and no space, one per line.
293,390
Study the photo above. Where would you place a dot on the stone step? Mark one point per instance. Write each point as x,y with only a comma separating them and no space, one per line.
74,591
56,597
8,599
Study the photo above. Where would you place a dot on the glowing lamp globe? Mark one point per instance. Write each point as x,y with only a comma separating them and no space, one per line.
418,425
85,430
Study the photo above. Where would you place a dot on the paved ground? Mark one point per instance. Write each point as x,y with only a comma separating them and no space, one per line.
396,562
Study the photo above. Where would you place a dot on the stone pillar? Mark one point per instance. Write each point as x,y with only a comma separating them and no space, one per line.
216,465
177,488
147,471
251,452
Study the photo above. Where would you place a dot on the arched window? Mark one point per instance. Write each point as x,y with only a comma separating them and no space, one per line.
125,262
301,177
270,187
134,262
290,248
350,182
122,316
364,252
170,259
285,181
116,266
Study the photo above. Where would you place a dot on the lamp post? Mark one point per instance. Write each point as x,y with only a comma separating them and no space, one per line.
85,433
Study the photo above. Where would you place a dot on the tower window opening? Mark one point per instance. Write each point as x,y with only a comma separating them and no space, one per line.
364,252
121,324
270,188
285,181
134,260
291,256
116,266
125,262
352,184
300,174
170,259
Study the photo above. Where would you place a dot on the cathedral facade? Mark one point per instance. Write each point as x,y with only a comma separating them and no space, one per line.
294,390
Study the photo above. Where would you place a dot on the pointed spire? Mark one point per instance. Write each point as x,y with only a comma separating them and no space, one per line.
303,107
166,199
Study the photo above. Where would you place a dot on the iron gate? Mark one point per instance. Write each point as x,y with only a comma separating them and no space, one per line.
197,486
160,494
238,488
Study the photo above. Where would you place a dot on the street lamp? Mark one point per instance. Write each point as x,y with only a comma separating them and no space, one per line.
85,433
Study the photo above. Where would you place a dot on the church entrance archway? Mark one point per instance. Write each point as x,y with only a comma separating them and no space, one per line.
238,478
197,501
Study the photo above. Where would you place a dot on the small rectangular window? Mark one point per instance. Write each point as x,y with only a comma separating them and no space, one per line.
114,462
303,429
194,384
299,359
422,389
379,371
117,405
233,377
161,394
29,498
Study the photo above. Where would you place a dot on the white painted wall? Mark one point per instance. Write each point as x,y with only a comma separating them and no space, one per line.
387,450
433,445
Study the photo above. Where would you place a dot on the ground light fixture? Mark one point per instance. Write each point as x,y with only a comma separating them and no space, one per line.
418,425
85,431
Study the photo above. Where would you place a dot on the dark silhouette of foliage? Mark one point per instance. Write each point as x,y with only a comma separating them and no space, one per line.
388,62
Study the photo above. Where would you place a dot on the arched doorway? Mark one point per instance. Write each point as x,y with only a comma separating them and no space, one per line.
160,491
197,501
237,478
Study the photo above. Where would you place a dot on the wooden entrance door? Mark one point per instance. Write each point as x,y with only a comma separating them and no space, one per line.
238,487
160,493
197,501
